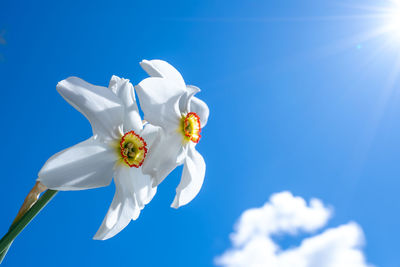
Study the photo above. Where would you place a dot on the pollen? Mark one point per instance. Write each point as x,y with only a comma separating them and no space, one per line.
133,149
190,127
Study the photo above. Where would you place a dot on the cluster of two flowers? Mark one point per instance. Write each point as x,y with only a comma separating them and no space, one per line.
139,155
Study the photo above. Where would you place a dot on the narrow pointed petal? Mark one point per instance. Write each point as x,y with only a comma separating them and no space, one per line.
123,208
125,92
164,157
98,104
162,69
84,166
201,109
159,100
192,178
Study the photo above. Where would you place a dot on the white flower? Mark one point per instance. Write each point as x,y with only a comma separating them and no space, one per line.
117,149
168,102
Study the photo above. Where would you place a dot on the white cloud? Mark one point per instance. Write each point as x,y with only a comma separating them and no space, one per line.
253,245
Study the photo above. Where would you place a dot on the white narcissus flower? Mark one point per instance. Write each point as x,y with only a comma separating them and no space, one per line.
168,102
117,149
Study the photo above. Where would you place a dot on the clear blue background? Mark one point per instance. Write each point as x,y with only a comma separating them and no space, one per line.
297,103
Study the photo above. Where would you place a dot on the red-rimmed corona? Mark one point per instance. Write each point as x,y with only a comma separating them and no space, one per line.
191,127
133,149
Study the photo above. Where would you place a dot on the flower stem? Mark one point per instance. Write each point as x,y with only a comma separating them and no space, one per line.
17,227
3,254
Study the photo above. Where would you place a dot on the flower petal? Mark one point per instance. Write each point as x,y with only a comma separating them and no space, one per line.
201,109
192,178
125,92
190,103
123,208
150,133
142,187
162,69
159,100
191,90
163,157
98,104
86,165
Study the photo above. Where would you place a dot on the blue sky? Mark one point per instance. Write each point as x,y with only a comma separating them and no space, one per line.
299,101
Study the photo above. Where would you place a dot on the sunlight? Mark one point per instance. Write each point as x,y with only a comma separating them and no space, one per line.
386,17
392,21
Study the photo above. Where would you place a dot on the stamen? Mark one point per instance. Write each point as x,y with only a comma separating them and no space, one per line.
191,127
133,149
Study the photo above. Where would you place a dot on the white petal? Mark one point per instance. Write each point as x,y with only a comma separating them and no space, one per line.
191,90
163,156
125,92
192,178
123,208
201,109
190,103
98,104
159,100
162,69
142,187
150,133
86,165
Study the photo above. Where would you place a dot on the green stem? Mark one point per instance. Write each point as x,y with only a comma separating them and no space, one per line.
3,254
18,226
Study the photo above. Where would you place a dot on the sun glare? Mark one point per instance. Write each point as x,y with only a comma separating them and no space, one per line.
393,21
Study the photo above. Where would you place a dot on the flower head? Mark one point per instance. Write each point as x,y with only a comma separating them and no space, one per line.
168,102
118,148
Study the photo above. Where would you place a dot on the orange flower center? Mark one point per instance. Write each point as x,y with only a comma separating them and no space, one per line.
133,149
191,127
